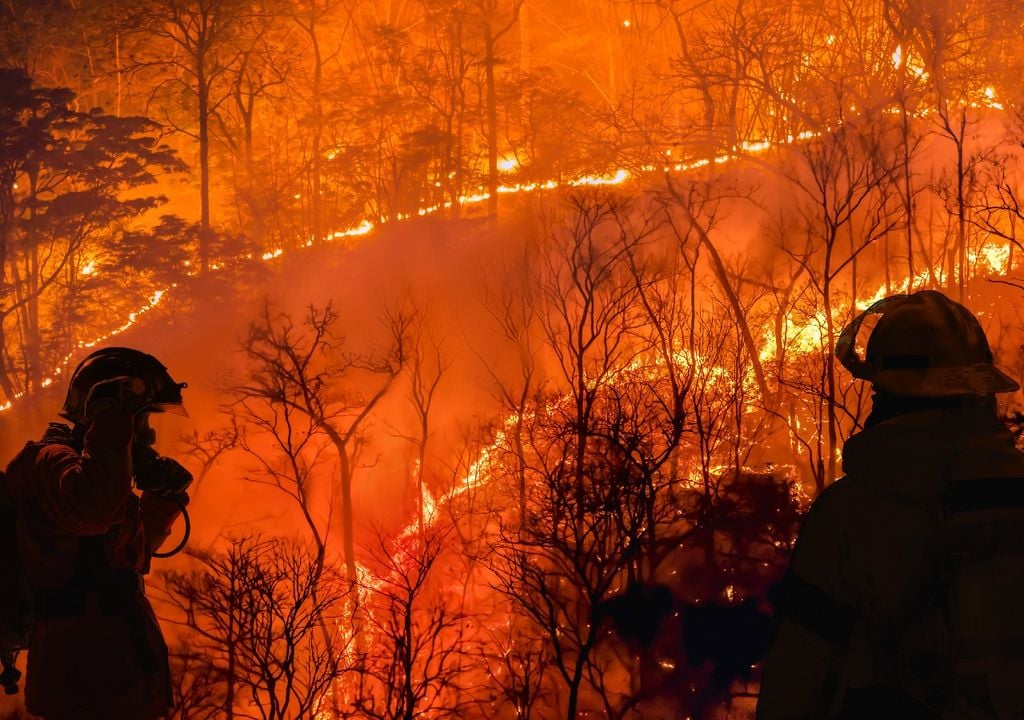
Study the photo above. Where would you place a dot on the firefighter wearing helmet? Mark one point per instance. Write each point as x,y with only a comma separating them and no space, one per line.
903,597
85,538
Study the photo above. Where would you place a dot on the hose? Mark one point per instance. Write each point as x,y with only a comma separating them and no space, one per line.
184,540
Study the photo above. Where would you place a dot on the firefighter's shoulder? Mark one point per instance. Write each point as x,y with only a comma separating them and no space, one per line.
834,505
822,549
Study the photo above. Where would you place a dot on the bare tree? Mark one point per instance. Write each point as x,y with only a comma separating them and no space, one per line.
950,44
596,446
307,370
427,366
516,659
843,177
256,615
198,685
414,667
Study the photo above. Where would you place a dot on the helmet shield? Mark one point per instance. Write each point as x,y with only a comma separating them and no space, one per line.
923,345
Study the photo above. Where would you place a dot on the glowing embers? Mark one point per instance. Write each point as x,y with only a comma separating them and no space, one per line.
475,198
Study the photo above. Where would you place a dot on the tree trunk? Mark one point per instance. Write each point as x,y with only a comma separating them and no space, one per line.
961,221
723,279
5,372
908,194
525,51
830,386
318,72
348,544
492,124
204,167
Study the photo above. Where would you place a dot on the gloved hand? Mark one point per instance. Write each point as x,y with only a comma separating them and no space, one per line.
126,394
163,476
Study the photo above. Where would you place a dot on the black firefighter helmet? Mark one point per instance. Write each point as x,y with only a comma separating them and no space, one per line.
111,362
923,345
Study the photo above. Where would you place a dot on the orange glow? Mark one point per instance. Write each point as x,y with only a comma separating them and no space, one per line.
639,225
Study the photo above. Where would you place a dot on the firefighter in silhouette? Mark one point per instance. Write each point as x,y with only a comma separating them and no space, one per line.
905,593
85,539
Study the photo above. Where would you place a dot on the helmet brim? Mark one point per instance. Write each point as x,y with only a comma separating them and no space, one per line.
979,379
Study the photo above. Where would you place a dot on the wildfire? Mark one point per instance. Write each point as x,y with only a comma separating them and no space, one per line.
806,335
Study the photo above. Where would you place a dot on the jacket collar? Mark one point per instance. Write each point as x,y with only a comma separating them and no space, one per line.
916,454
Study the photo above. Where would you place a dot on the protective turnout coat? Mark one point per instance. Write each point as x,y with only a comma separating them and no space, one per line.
85,540
867,550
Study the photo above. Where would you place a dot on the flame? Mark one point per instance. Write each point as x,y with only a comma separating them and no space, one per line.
809,335
471,199
619,177
990,98
994,258
361,229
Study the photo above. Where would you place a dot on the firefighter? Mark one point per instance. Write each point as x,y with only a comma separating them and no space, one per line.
85,539
873,618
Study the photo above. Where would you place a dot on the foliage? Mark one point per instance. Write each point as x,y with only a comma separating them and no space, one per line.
72,185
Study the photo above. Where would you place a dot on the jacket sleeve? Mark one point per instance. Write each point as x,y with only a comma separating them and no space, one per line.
815,617
85,494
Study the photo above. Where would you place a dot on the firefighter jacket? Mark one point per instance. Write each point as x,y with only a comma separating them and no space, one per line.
85,540
867,548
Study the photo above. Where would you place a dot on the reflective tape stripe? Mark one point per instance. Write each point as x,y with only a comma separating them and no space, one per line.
815,610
